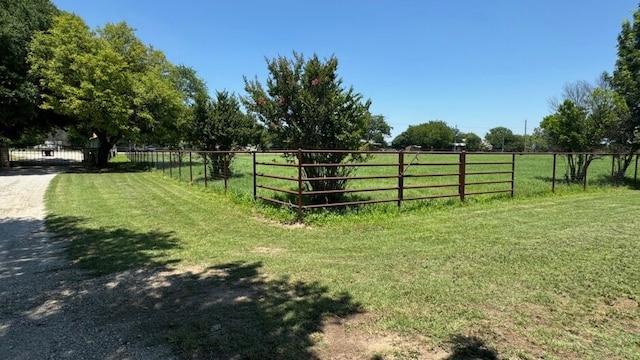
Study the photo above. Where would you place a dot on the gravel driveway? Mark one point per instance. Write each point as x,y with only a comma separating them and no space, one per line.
48,308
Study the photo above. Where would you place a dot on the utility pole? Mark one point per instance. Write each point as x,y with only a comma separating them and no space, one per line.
525,135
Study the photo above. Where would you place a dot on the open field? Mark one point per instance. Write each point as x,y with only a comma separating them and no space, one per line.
553,277
533,177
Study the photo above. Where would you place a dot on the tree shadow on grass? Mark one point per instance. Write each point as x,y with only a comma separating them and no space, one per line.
226,311
231,311
470,348
104,251
605,180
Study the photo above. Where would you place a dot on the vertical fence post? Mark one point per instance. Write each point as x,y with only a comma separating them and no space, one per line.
224,170
400,177
613,161
163,161
204,158
513,174
180,164
462,174
190,168
170,164
299,185
255,184
635,173
584,177
553,176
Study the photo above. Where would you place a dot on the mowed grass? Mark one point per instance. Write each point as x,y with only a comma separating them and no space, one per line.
533,175
546,277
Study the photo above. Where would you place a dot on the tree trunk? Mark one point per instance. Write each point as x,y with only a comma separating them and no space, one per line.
104,148
622,164
578,166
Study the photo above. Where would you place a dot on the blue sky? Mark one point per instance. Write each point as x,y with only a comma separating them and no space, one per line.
476,64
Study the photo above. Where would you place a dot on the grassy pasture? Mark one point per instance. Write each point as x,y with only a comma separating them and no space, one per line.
542,277
533,175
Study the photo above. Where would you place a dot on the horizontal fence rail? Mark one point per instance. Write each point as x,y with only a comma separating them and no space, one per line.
46,156
374,177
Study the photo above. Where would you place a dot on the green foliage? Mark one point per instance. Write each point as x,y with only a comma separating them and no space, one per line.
503,139
220,125
194,93
19,20
377,131
538,141
473,142
108,80
626,82
305,106
432,135
585,127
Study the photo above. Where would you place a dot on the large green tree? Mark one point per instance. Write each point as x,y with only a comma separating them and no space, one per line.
538,141
220,125
626,82
19,21
377,131
177,134
503,139
584,128
432,135
472,141
305,106
107,80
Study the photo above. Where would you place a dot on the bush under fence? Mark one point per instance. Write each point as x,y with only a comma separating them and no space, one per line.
280,177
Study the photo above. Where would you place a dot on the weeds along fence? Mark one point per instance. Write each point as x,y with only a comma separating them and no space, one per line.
280,177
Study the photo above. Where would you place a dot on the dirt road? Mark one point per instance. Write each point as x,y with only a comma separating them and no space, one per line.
48,308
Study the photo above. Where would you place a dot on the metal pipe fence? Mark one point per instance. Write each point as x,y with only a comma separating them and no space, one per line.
285,178
53,156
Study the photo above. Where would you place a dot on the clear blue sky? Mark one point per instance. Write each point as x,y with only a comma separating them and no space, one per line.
475,64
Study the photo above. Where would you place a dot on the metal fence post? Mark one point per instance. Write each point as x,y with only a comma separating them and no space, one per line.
170,165
462,174
190,169
513,174
635,173
179,165
255,184
204,157
400,177
584,178
613,161
553,175
163,161
299,185
224,170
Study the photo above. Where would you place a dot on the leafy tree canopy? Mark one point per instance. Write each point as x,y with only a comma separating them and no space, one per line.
626,82
107,80
19,20
377,131
587,127
472,141
503,139
305,105
432,135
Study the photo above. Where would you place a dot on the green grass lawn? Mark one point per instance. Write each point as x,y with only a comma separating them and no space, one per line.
554,277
